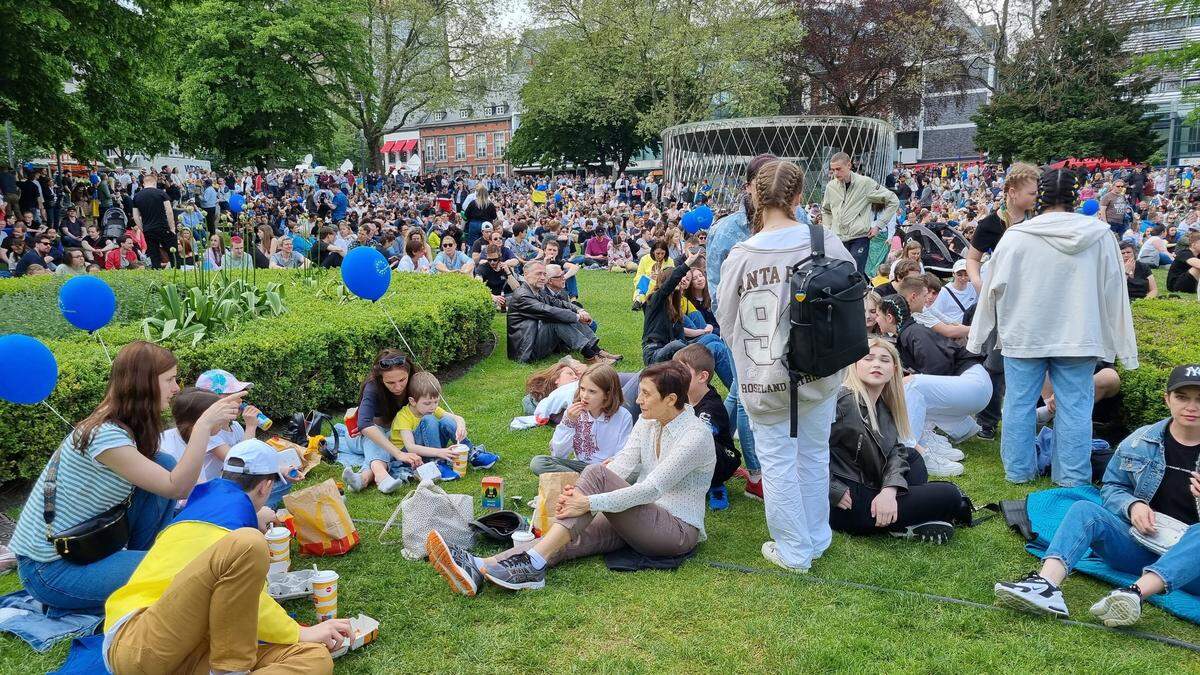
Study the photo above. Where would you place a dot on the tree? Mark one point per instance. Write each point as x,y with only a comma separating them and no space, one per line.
71,66
1071,92
878,57
672,61
413,56
251,77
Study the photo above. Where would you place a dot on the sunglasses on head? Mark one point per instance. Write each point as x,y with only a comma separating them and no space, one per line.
392,361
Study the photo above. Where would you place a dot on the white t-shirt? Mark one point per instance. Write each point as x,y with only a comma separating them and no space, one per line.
173,444
945,305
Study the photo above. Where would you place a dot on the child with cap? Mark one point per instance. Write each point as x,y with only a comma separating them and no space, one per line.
1152,484
223,383
212,561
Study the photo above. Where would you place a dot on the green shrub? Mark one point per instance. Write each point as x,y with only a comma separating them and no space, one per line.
1168,335
313,356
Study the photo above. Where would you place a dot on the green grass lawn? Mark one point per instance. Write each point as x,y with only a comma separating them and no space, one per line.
703,619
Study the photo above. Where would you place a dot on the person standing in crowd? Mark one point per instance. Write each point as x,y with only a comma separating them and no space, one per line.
846,208
1069,257
752,312
477,212
153,213
1114,207
208,203
1019,199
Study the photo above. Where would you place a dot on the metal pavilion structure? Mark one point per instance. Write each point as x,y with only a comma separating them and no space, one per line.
719,150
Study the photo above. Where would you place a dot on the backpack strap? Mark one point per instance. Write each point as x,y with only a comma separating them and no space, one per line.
816,235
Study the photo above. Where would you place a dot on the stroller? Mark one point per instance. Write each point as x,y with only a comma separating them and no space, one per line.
114,222
941,246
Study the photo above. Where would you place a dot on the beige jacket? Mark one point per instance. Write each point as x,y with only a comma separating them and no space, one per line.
847,211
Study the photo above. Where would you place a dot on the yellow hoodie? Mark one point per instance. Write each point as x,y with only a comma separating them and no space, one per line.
175,547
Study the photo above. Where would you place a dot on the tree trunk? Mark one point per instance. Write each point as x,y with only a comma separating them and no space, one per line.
374,157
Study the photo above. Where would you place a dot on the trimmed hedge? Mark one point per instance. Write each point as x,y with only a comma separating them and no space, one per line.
1168,335
314,356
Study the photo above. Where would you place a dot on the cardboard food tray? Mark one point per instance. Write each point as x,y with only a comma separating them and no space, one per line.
365,631
290,585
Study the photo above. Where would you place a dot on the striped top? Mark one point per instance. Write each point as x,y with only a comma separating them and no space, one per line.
86,488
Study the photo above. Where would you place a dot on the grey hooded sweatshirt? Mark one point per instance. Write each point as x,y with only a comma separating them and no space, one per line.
752,310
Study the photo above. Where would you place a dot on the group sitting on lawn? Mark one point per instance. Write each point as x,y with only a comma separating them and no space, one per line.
654,450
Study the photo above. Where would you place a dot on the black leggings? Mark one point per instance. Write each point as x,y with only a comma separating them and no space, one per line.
922,503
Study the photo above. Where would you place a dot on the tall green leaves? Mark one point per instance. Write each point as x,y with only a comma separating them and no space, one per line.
189,314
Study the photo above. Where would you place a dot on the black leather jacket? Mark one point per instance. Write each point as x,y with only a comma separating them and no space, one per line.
857,453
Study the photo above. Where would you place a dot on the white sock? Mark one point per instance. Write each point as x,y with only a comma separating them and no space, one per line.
478,562
534,557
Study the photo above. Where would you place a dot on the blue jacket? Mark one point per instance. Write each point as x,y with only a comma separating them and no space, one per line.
1136,469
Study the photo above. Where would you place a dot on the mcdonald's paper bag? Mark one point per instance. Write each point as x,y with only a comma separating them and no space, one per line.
550,486
323,525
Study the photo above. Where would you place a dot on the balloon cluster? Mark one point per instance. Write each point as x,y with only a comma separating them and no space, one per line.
699,218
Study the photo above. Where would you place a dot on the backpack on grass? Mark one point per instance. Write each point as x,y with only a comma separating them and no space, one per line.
828,332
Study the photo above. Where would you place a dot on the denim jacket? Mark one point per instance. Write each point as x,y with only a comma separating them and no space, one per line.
1136,469
730,230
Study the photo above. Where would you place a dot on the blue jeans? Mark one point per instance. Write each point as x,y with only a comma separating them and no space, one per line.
278,490
83,589
434,433
474,232
1090,525
572,287
733,406
1074,395
722,359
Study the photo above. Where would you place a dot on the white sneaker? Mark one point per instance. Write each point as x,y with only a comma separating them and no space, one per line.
939,445
1122,607
940,467
1031,593
389,485
352,480
770,551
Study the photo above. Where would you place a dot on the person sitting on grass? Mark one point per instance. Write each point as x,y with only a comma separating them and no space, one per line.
541,383
236,258
425,428
326,253
594,427
877,482
648,270
1152,474
198,600
662,514
540,324
414,259
1184,272
287,257
451,259
215,253
384,394
710,408
500,278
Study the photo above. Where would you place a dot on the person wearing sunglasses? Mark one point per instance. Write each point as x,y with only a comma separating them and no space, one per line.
497,276
384,393
542,323
450,259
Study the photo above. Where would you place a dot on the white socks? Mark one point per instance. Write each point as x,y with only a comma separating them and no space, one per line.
538,561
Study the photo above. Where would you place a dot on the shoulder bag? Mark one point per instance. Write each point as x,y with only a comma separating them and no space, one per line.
95,538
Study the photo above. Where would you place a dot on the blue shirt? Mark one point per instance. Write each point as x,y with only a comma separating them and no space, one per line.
728,231
452,263
340,204
208,199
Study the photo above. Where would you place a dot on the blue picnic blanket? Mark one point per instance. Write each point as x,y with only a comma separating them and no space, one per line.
26,618
1046,509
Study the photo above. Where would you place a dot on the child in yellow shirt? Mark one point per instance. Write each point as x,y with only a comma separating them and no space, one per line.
425,428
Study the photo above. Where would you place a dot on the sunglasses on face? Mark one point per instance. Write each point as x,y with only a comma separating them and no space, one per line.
392,361
447,245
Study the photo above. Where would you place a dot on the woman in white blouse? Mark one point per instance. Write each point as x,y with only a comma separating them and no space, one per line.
662,514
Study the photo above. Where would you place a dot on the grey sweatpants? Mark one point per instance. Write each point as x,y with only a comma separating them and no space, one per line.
541,464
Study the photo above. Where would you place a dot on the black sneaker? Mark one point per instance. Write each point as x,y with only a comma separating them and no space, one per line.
456,565
516,573
1031,593
933,532
637,306
986,432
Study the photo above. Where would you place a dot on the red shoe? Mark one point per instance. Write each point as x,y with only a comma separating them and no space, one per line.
754,490
742,473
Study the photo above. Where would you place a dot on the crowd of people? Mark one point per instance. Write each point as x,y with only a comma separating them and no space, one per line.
992,298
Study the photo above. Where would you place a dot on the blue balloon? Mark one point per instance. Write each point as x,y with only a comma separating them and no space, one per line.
30,371
704,216
1090,207
366,273
236,202
87,302
689,223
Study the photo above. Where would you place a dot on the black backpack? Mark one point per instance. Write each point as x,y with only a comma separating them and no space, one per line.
828,331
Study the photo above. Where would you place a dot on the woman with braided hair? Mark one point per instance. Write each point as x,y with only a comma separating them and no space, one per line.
1056,298
752,304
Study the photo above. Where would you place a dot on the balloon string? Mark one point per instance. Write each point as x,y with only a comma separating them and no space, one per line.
58,415
412,354
102,344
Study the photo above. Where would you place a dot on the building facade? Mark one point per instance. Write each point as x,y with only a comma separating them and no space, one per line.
469,137
1156,28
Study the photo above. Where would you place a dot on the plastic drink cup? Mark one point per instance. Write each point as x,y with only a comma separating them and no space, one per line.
460,459
521,537
279,540
324,594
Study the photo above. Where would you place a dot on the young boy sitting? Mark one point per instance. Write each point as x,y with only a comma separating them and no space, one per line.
427,429
710,407
1152,474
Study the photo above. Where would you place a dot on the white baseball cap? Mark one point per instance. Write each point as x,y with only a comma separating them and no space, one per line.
960,265
258,459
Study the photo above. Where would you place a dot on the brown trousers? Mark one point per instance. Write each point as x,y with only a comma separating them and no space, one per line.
208,619
648,529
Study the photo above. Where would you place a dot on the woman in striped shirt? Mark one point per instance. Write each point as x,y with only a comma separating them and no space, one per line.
109,457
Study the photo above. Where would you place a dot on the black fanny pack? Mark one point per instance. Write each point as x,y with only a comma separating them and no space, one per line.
95,538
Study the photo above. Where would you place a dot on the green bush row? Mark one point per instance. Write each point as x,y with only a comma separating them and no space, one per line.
314,356
1168,335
